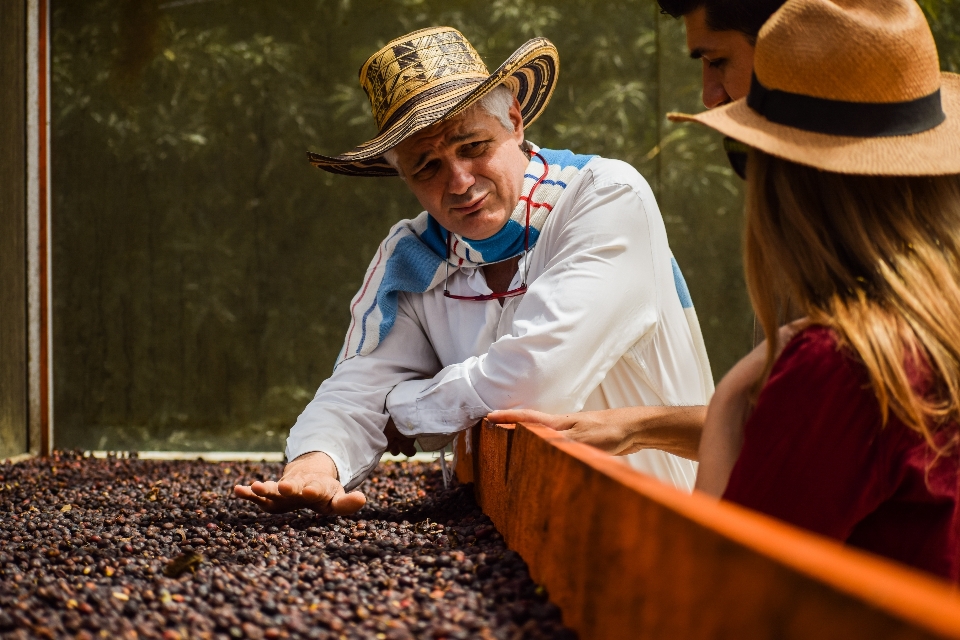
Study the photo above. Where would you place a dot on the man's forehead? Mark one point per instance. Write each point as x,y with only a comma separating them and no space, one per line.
702,41
436,133
700,38
443,133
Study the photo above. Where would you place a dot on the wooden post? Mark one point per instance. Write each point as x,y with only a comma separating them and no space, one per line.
13,208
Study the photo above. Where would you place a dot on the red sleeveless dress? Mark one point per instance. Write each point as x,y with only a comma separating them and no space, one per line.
814,455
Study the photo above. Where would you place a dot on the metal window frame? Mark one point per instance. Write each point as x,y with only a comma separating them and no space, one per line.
39,295
39,298
13,190
26,411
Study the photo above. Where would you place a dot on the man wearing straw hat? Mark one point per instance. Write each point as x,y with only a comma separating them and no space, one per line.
533,279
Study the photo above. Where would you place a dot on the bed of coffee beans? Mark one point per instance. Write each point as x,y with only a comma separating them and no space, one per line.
129,548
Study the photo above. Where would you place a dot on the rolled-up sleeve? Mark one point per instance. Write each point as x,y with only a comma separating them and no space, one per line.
596,297
347,416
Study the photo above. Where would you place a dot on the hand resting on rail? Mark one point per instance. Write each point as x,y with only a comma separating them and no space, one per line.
623,431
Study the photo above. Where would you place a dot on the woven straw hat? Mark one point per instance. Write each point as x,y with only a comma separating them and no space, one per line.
432,75
848,86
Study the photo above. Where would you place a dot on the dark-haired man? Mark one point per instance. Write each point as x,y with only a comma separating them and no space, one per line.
721,34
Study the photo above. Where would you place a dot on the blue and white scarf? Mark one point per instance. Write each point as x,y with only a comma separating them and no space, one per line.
413,255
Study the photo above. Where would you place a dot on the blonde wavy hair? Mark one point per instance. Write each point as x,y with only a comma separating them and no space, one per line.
877,259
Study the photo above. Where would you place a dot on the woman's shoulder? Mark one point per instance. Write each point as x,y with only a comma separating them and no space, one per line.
816,347
816,337
816,367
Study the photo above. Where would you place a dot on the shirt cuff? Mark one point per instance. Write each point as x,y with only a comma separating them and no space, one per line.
447,403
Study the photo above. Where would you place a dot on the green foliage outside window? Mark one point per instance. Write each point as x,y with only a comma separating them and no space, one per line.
202,269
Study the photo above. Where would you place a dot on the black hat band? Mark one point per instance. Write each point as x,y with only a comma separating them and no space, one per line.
841,118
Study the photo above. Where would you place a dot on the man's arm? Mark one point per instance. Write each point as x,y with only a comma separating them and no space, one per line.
712,435
343,431
623,431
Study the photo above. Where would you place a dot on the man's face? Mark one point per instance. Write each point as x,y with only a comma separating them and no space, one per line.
727,58
467,172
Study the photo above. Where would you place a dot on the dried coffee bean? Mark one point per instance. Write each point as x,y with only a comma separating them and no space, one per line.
418,561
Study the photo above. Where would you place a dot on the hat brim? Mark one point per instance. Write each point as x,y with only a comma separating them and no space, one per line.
932,152
530,73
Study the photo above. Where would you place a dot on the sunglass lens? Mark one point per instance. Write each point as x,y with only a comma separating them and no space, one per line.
737,155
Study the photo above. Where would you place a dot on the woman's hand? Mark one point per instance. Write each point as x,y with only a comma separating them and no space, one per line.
620,432
728,411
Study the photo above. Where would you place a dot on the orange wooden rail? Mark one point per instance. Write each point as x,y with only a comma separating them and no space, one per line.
624,555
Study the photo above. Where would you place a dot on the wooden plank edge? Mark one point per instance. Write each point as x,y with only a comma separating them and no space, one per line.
208,456
22,457
222,456
903,592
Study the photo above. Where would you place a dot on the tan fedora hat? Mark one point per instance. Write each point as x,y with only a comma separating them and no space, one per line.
432,75
848,86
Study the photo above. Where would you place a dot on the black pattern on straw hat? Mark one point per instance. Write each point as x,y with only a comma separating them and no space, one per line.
432,75
848,86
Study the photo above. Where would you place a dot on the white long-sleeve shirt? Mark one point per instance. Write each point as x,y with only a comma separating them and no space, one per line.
600,326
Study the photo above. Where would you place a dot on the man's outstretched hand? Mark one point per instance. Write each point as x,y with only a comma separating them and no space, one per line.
309,481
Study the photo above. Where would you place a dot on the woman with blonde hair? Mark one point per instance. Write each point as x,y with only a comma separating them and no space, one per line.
852,139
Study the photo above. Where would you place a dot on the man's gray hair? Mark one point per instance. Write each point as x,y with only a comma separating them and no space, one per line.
497,103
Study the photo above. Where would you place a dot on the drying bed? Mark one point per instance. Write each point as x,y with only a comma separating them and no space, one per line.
137,548
625,555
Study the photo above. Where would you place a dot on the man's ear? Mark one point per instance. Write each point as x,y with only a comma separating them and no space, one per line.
517,119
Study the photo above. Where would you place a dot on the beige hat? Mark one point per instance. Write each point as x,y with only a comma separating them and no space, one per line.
849,86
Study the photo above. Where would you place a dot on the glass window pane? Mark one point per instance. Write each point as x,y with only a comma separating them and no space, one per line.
203,269
944,19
